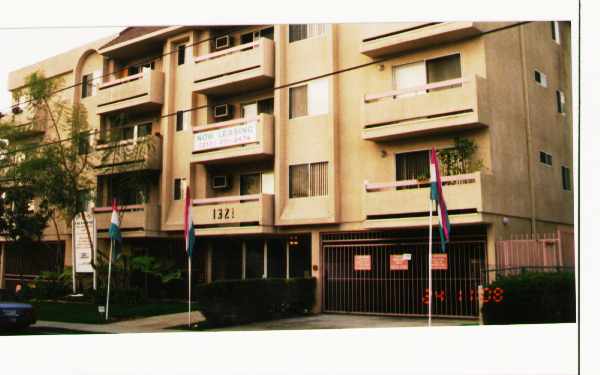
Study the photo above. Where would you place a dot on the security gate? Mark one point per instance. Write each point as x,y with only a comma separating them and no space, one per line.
376,277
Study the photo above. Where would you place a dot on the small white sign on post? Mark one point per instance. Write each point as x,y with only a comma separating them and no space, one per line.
81,243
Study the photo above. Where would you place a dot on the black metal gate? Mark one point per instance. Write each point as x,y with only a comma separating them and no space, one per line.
385,291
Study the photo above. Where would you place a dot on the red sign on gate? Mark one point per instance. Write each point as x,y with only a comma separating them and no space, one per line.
398,263
362,262
439,262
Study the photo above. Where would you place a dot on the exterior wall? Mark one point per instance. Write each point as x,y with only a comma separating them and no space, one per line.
520,121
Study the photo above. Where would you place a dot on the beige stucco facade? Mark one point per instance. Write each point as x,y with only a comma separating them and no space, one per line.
363,121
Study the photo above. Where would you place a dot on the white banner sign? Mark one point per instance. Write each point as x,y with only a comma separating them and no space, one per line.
81,243
225,137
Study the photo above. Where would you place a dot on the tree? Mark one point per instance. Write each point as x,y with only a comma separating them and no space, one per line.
62,170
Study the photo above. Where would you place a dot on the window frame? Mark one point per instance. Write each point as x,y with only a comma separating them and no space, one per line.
179,194
87,85
555,31
181,56
308,85
179,123
546,158
308,36
543,78
561,102
566,177
243,175
309,183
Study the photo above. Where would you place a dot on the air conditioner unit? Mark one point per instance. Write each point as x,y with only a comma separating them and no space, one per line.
222,42
220,182
223,111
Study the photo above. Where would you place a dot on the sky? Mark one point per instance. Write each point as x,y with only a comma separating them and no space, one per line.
27,46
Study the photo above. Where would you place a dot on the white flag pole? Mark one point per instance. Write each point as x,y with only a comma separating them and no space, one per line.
189,291
109,269
430,267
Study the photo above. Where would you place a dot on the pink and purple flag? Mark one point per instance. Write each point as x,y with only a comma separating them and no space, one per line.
438,196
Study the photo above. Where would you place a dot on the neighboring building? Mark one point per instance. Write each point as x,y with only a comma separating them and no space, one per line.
297,172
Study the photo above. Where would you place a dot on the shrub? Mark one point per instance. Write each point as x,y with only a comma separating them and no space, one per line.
232,302
118,296
50,285
533,297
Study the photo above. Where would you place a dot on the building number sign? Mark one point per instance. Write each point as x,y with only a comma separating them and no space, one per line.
223,213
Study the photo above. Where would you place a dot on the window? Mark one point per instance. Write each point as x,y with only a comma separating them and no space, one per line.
310,99
308,180
560,101
540,78
250,184
421,73
144,129
412,165
443,68
87,85
545,158
138,68
566,178
179,187
181,54
83,144
305,31
555,29
179,121
247,38
127,188
253,109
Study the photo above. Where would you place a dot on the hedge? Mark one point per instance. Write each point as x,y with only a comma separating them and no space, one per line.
232,302
533,297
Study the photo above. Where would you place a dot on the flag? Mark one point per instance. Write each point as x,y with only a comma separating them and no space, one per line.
438,197
114,233
188,224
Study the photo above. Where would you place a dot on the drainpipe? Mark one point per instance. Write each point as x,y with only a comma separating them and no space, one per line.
528,131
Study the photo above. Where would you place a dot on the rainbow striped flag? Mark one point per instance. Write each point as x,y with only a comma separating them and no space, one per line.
438,196
188,224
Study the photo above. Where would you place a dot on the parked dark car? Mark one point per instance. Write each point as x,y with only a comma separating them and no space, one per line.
16,315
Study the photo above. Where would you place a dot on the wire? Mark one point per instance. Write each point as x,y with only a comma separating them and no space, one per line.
344,70
143,62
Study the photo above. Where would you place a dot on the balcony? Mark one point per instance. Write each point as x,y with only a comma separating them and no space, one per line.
134,219
456,104
387,38
142,91
406,203
242,68
144,153
244,139
235,214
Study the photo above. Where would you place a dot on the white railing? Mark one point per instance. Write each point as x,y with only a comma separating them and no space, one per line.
416,184
229,51
219,200
124,208
410,90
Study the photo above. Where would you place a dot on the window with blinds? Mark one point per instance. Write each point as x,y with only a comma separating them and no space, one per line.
308,180
412,165
305,31
311,99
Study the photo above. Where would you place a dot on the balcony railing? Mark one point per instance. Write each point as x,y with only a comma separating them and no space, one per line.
410,198
138,217
387,38
241,139
143,91
245,67
143,153
432,108
236,211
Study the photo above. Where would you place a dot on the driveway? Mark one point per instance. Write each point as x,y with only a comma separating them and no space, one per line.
339,321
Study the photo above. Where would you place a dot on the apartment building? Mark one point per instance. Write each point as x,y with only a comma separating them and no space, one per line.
306,149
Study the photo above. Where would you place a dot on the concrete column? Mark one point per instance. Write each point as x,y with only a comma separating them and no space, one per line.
243,260
209,262
2,264
265,260
316,271
491,250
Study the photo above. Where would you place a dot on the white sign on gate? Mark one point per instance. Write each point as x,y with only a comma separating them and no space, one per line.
225,137
81,243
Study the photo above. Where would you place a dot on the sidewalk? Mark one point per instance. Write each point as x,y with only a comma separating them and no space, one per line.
159,323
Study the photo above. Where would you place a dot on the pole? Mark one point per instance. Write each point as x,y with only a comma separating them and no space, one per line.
189,291
109,269
73,256
430,283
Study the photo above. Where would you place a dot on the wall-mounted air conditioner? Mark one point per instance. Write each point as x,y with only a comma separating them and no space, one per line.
223,111
222,42
220,182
